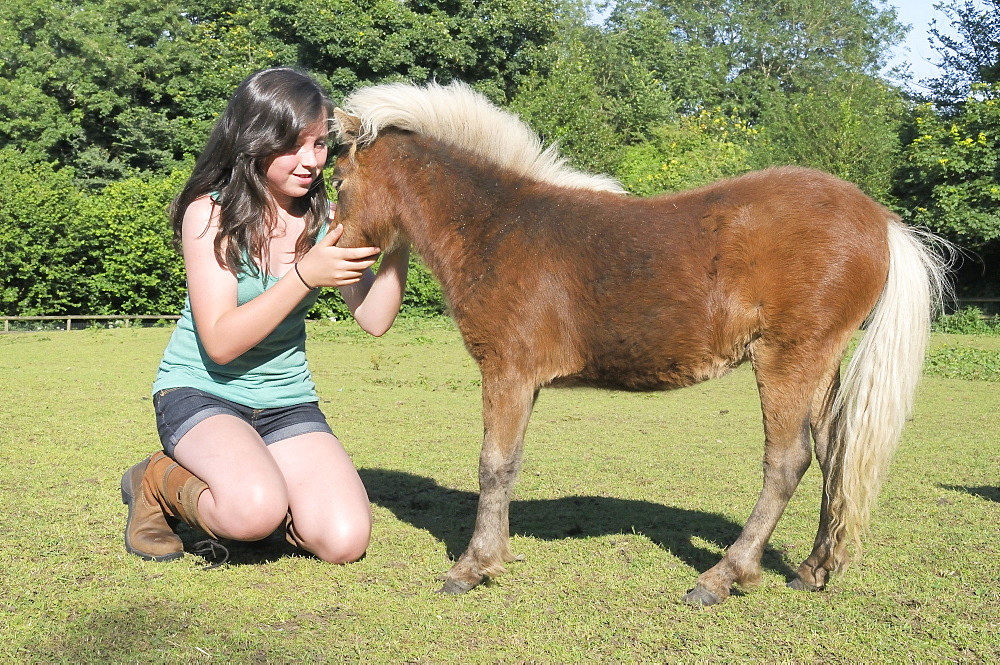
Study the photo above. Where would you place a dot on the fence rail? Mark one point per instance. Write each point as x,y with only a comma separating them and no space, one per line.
69,319
990,307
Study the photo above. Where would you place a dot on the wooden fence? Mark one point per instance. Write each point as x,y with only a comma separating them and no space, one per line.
989,306
81,318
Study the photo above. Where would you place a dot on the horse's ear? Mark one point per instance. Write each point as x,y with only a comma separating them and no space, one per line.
347,126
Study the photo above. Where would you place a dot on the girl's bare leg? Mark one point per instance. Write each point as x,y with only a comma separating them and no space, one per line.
247,497
331,515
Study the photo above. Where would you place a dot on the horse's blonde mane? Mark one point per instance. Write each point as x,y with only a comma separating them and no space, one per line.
460,116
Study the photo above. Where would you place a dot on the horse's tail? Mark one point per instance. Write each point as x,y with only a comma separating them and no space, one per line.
877,392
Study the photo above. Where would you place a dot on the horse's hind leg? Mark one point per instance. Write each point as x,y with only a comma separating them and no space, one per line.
829,553
786,379
507,404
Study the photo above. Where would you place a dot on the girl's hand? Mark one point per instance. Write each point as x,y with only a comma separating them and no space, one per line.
328,265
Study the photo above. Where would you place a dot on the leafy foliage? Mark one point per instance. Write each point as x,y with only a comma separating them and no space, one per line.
565,106
116,87
105,100
88,84
848,126
130,265
37,213
802,75
423,296
960,362
970,57
967,321
692,151
737,53
950,177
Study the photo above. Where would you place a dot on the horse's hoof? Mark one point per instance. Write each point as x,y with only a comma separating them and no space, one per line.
455,587
702,596
798,585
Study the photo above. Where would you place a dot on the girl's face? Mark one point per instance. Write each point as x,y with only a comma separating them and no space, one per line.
291,174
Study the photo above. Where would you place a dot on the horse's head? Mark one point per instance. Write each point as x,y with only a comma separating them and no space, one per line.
369,214
375,203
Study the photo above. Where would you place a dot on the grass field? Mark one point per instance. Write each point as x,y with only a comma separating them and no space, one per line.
623,500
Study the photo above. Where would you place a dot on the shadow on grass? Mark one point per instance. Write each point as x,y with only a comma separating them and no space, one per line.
113,635
240,553
157,630
985,492
449,515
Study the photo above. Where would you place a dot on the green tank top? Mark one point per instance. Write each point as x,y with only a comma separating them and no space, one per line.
274,373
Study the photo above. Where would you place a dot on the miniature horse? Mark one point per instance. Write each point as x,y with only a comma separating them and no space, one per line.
555,278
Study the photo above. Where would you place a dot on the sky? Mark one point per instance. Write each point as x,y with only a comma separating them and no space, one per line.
915,49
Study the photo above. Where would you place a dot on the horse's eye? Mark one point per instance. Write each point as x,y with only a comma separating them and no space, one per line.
336,182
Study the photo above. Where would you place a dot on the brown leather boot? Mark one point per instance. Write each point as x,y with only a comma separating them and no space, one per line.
176,490
147,532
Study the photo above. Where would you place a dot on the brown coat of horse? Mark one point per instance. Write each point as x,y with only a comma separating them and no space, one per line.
556,277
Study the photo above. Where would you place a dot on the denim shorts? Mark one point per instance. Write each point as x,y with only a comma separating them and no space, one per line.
180,409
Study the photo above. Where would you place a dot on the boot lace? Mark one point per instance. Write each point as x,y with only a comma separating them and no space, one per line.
213,551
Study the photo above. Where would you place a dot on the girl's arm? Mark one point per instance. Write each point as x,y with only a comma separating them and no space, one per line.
227,331
374,300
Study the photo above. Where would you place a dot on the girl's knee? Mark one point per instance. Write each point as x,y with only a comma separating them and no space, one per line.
253,515
338,543
249,529
341,553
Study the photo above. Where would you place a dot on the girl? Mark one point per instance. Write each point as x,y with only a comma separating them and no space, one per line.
245,446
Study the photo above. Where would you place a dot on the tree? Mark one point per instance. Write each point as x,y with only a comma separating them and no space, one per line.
114,88
692,150
848,126
590,95
37,211
950,178
488,43
564,106
128,264
970,57
83,84
804,76
735,53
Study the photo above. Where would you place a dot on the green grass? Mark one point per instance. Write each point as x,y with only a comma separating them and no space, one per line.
623,500
975,358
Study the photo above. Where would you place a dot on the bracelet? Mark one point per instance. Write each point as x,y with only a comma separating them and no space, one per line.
295,266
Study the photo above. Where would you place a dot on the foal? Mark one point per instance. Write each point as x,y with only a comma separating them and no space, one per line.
556,277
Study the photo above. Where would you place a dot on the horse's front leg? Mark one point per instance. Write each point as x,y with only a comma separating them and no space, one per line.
507,403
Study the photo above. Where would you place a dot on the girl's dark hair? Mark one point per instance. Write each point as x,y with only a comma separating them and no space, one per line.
264,118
